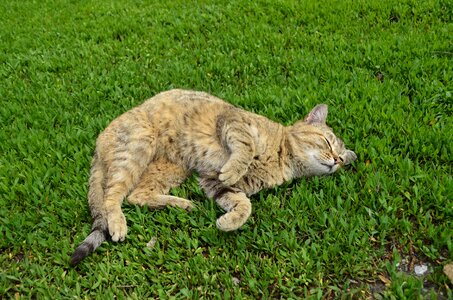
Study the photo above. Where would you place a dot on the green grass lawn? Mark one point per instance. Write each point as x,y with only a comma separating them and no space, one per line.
67,68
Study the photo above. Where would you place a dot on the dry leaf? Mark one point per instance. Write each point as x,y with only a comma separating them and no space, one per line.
385,280
151,243
448,270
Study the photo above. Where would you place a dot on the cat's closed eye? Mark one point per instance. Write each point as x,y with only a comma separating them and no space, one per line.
328,143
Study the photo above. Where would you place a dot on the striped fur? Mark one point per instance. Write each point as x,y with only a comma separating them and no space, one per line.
148,150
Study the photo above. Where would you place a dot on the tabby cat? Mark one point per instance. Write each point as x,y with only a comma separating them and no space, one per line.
157,145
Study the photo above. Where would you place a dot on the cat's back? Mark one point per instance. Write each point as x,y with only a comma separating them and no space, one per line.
178,103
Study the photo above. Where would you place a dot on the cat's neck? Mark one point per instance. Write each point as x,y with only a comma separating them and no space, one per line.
286,154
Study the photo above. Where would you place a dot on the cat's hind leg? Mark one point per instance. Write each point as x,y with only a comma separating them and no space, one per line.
155,183
127,159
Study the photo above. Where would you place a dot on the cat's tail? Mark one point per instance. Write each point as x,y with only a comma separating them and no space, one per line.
88,246
99,232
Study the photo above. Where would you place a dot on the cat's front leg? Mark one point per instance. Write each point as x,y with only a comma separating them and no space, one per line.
236,204
233,170
238,139
238,209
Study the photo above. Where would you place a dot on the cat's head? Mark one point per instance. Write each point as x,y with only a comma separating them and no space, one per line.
315,149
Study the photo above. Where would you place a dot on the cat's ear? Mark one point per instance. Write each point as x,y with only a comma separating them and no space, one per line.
349,156
317,115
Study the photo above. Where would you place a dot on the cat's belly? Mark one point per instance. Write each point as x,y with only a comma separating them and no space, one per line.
206,159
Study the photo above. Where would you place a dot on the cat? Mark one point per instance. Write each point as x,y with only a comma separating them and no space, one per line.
158,144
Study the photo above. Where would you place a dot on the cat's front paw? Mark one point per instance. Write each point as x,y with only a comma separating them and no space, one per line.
230,174
231,221
117,227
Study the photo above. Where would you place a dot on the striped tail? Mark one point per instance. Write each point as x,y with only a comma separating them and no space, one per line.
88,246
99,232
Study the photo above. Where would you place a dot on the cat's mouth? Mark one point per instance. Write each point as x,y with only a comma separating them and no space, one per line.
331,167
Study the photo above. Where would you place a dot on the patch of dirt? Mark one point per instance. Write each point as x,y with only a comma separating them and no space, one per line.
377,288
19,257
412,264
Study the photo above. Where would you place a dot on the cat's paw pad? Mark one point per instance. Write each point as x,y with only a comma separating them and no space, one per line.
117,227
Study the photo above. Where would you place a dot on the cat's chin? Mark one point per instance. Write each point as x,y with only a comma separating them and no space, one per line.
328,168
335,168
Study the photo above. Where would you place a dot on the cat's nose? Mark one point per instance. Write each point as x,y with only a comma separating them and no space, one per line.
337,160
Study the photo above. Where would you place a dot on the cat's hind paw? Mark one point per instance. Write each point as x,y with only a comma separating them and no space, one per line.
117,227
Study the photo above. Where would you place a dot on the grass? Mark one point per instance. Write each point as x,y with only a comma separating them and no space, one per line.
67,68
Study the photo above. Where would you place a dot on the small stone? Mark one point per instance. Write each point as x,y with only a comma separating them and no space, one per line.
236,281
420,270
